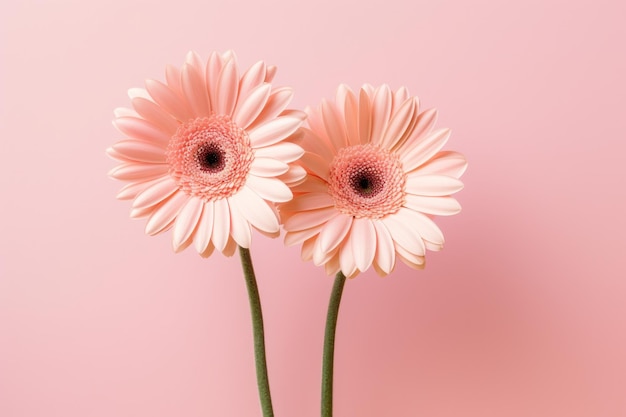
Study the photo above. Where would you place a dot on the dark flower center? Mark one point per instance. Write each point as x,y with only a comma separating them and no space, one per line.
210,158
365,183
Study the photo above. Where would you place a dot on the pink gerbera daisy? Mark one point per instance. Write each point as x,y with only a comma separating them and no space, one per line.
206,153
377,175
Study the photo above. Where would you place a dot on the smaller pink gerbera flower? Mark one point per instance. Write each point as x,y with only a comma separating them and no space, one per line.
206,153
377,176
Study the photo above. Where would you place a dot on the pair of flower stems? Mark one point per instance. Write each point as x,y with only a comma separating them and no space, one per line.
259,339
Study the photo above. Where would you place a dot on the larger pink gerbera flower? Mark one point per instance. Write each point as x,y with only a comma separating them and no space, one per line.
376,177
206,153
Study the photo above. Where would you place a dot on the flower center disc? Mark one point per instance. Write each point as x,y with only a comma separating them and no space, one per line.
210,157
366,181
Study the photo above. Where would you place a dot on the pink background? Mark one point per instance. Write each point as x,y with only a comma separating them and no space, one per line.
523,313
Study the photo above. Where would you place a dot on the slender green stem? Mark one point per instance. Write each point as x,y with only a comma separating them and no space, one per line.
259,335
329,345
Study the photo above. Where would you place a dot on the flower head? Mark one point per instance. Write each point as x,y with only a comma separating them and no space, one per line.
376,177
206,153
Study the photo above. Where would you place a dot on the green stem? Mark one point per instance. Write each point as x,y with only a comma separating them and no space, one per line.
329,345
259,335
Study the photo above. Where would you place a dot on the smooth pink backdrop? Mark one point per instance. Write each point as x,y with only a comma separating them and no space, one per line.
523,313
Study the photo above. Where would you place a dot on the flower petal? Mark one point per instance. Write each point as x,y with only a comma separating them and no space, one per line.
334,232
141,129
275,105
202,237
251,79
284,151
134,171
385,251
239,227
270,189
432,185
363,236
402,233
424,149
140,151
155,193
186,222
195,91
168,100
399,123
449,163
155,114
221,224
164,215
249,108
227,88
268,167
310,201
255,210
274,131
381,112
440,206
308,219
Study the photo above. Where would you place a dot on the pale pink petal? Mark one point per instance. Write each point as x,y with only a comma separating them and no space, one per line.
202,237
274,131
334,232
433,185
346,257
310,201
385,252
135,171
155,114
422,127
427,229
285,152
311,185
400,97
138,93
227,88
164,215
363,236
268,167
270,189
424,149
315,164
411,259
351,114
399,123
168,100
308,219
332,265
239,227
251,79
294,176
124,112
297,237
194,89
403,234
311,142
140,151
172,78
186,221
271,72
449,163
221,224
130,191
275,105
334,126
365,121
195,60
249,109
307,249
255,210
213,69
440,206
381,112
155,193
141,129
